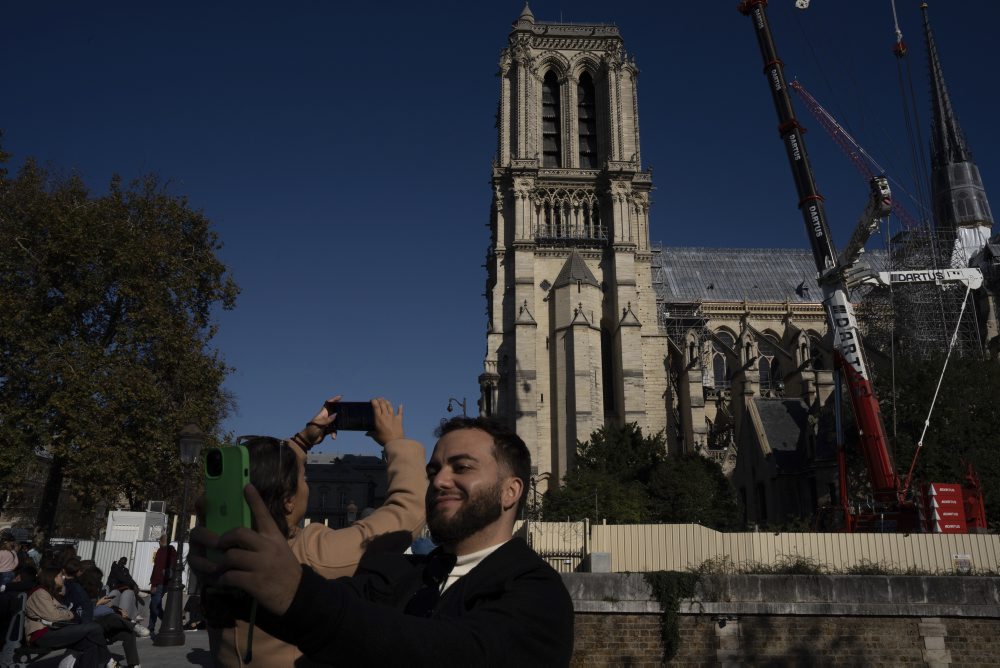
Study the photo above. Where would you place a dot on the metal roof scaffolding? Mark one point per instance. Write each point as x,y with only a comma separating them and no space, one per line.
918,320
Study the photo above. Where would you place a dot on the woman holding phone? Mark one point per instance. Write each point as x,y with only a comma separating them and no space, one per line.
277,471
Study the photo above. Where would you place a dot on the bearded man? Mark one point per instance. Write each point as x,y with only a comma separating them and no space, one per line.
482,598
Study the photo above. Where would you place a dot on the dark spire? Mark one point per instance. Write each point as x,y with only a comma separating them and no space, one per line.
957,190
948,142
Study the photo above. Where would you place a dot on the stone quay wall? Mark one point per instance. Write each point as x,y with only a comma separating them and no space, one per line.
791,620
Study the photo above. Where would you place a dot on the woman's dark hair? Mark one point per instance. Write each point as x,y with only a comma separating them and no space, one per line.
509,450
274,471
47,580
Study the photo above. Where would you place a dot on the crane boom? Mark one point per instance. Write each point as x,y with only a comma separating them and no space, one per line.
861,159
879,205
849,353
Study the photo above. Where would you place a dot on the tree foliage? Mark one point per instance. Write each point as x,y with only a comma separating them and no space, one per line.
963,425
692,488
107,304
625,477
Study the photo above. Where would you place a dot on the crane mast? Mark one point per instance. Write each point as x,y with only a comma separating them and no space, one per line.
847,345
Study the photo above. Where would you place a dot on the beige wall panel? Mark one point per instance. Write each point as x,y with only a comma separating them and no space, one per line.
639,548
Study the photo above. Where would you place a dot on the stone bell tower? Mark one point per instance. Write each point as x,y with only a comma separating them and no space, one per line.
572,336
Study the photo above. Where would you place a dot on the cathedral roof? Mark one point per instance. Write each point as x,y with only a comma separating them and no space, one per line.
575,270
786,427
697,274
785,422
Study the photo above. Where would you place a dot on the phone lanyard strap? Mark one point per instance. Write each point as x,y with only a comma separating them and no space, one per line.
248,657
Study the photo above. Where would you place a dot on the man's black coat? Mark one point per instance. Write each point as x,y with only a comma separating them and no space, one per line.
512,610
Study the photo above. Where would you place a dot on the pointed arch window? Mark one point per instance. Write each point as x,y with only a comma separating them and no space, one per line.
817,358
551,142
767,364
587,113
722,372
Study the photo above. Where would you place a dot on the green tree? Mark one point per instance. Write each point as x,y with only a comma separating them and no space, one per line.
625,477
963,425
609,478
622,451
107,304
692,488
599,495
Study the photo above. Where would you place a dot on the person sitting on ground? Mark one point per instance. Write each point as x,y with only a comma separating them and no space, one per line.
75,597
49,624
123,590
84,598
482,598
277,469
112,620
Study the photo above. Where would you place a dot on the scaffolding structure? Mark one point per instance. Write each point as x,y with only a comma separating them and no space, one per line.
918,320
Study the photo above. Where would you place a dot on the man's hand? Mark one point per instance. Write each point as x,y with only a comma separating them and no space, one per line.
388,424
258,562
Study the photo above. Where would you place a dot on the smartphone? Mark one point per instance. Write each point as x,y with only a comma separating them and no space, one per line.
227,472
353,416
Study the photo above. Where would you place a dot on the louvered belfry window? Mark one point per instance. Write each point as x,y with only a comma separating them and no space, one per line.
587,111
551,144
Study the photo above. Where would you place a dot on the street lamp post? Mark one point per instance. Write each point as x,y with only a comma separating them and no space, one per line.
460,403
171,629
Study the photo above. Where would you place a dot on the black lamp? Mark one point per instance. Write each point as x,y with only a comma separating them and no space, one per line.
190,440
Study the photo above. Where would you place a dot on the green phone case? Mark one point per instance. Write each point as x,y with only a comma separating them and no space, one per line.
225,506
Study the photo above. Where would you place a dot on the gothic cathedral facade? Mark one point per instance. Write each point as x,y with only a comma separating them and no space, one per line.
572,314
724,351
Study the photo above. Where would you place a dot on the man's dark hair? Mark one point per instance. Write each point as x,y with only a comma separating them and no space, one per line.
274,471
91,580
72,566
508,448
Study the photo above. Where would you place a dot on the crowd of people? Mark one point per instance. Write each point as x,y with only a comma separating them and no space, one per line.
359,595
70,606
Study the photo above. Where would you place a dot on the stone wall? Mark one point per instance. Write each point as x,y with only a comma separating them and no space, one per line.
785,621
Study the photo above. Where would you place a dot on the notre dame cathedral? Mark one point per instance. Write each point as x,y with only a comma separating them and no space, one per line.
723,350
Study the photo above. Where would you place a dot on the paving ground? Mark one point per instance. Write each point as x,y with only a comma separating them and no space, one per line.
194,652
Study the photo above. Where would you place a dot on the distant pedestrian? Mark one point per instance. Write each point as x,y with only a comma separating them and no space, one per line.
36,554
163,566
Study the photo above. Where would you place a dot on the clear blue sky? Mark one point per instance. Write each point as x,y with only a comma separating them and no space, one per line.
343,151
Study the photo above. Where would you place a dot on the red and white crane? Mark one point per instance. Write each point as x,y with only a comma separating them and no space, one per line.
896,511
